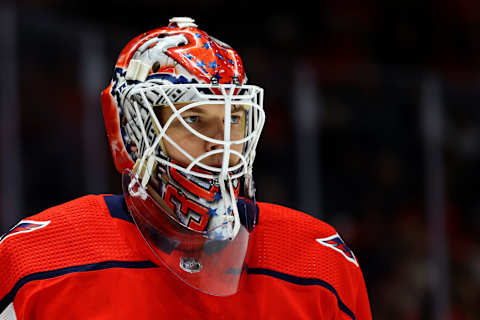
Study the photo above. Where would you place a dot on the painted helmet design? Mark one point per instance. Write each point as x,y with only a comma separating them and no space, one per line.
183,126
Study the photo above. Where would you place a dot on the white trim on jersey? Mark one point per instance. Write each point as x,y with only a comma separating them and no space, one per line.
8,313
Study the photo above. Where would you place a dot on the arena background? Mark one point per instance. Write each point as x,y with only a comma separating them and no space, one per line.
373,124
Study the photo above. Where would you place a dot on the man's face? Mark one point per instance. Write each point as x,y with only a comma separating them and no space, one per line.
209,121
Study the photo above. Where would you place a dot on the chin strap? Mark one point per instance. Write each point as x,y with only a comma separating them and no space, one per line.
142,173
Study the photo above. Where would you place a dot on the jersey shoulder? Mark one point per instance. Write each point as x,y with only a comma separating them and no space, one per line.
300,250
77,233
295,243
271,214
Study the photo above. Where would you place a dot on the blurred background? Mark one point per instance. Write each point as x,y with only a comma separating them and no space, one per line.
372,124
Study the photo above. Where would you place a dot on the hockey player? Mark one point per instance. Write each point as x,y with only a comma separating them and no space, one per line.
187,239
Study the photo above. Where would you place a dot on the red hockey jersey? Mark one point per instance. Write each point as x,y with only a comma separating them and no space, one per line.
85,259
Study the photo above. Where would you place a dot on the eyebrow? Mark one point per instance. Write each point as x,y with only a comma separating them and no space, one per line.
196,109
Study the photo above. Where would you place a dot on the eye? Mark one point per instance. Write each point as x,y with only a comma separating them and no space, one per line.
190,119
236,119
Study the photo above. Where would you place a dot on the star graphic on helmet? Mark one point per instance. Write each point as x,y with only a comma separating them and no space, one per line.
202,65
213,65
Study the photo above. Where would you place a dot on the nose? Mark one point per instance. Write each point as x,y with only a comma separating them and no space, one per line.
216,132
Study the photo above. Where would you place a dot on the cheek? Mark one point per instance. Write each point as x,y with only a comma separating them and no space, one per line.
188,142
237,147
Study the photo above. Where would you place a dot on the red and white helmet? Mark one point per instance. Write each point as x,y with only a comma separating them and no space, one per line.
194,215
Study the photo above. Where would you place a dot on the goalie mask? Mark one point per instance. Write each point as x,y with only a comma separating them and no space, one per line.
183,127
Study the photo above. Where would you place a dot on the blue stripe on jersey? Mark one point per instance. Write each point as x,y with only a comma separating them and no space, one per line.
303,282
60,272
118,208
